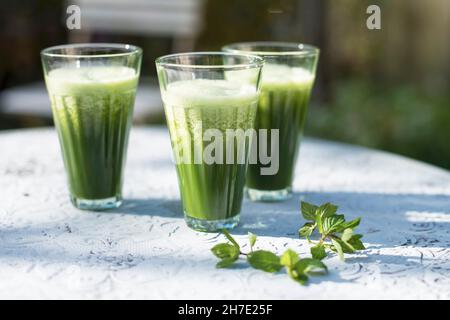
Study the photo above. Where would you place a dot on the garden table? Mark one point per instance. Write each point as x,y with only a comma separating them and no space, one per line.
48,249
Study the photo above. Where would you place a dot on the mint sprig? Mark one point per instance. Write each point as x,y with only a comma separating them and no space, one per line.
298,269
336,234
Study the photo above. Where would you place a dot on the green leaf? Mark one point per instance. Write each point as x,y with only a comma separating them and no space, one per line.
264,260
225,263
307,229
225,251
347,234
228,254
332,223
338,248
289,258
308,211
356,243
251,239
230,238
351,224
310,266
318,252
296,276
346,247
326,210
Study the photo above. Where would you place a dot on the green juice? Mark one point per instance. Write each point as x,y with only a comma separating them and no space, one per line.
209,192
282,105
92,110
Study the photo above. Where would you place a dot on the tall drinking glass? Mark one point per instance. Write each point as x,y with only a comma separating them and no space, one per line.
287,80
92,89
210,116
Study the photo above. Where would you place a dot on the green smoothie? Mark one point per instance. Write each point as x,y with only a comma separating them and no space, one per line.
92,110
209,191
282,105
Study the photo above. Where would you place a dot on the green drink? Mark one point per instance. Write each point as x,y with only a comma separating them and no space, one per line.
210,121
288,78
92,109
282,105
208,191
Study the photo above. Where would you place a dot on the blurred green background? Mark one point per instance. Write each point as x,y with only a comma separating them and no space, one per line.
387,89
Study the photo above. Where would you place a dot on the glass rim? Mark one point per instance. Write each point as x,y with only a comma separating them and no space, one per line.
254,61
128,49
290,48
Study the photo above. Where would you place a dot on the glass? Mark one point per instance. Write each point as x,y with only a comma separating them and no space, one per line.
210,103
287,81
92,89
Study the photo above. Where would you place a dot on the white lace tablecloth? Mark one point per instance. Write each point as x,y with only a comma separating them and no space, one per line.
48,249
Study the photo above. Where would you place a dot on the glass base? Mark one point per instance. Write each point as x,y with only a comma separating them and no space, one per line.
212,225
97,205
269,195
